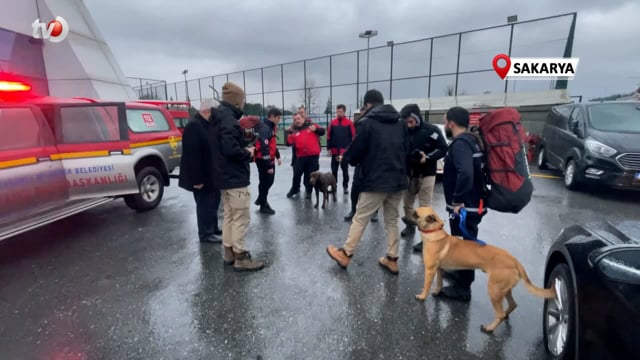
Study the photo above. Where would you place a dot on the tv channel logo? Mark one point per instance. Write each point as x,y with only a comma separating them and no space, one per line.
54,31
535,68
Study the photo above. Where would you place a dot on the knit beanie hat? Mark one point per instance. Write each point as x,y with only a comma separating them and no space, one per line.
412,110
233,94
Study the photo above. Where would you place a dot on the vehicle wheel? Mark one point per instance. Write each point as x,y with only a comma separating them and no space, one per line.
151,190
571,175
542,159
558,321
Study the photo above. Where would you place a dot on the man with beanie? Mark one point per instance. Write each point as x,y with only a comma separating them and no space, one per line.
463,187
426,146
267,154
339,135
196,172
380,148
231,158
357,179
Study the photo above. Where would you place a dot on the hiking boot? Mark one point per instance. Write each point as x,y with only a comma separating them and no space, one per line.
350,216
374,217
257,202
409,231
243,262
292,193
339,255
211,240
266,209
418,247
389,263
457,293
227,257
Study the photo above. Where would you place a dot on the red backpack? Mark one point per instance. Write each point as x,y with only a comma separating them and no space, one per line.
508,181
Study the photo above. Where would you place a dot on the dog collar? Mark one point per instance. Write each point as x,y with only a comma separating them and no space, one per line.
430,231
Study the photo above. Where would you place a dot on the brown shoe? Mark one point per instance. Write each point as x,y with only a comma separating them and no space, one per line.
339,255
228,258
244,262
390,264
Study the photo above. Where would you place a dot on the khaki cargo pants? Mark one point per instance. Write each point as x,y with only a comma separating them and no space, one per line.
236,203
420,188
368,203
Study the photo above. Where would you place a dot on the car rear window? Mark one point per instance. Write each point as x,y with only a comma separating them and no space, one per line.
145,120
19,129
87,124
616,117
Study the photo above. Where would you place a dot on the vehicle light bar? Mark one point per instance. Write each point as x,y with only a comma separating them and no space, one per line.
13,86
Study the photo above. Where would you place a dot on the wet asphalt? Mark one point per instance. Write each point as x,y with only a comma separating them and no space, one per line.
113,284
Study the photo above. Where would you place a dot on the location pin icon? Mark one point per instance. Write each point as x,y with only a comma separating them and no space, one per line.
502,71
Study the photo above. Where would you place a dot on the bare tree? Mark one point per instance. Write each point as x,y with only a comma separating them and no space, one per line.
450,90
310,94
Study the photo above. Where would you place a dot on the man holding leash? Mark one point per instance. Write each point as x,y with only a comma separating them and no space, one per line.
426,145
463,187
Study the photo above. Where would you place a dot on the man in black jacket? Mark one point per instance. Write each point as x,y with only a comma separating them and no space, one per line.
267,154
463,187
231,158
426,146
380,148
196,173
339,135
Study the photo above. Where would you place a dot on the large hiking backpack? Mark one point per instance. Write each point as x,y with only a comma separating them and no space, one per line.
508,181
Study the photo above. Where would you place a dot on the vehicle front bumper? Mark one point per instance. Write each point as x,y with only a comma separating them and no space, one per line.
607,172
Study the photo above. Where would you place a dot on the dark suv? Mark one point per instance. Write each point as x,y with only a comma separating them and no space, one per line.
593,142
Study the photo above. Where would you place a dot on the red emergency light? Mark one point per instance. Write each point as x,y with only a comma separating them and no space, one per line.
13,86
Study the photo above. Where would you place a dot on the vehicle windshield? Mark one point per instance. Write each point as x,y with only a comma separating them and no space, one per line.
618,117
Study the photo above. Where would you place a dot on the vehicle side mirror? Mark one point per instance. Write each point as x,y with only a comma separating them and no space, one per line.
619,263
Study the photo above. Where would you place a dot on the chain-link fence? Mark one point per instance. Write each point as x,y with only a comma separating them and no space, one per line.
439,66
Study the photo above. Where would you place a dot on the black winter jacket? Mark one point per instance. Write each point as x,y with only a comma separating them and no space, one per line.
230,157
380,150
196,164
462,180
429,139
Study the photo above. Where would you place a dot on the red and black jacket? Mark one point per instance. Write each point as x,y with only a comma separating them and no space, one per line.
341,133
305,141
266,142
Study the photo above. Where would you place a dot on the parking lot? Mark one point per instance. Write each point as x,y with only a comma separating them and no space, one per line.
111,283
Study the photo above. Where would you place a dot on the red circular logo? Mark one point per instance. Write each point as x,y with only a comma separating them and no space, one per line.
57,27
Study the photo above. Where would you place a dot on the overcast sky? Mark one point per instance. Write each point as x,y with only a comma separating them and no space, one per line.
159,38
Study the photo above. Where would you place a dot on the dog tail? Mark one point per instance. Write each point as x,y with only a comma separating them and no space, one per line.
541,292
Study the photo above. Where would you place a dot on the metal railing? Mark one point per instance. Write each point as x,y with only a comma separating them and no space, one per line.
444,65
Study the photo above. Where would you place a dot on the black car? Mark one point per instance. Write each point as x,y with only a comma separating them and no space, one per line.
595,270
593,142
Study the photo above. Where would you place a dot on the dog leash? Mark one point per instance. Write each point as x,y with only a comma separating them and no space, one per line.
463,227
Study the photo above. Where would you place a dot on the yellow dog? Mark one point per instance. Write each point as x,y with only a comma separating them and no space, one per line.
442,251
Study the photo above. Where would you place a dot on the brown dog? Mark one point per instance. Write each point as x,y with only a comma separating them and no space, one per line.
322,182
442,251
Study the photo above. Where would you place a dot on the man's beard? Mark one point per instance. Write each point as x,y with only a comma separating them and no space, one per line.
448,132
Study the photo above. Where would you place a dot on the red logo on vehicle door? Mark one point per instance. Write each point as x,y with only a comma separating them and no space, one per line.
148,120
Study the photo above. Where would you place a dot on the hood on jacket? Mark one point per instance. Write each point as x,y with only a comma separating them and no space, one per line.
412,110
384,113
225,106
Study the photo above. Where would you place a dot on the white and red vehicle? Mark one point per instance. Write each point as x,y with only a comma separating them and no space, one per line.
61,156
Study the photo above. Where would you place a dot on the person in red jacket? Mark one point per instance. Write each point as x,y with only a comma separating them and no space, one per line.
339,136
307,147
267,155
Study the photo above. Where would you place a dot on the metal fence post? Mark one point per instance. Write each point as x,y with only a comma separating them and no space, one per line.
391,76
213,85
358,80
282,90
262,79
430,62
506,81
244,83
306,106
330,85
562,84
200,89
458,66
